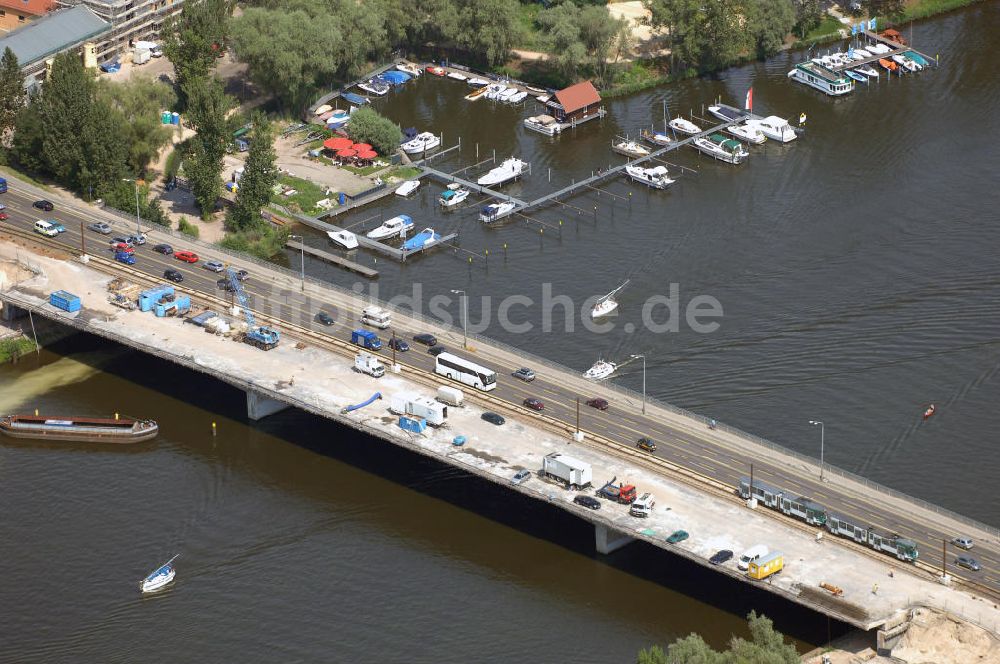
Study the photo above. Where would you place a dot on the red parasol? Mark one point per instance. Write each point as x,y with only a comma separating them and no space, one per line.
337,143
347,153
367,154
361,147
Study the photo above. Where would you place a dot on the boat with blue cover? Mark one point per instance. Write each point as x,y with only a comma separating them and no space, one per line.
159,578
396,77
422,240
352,98
860,78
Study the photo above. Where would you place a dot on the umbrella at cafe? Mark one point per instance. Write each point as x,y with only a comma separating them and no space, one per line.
347,152
361,147
337,143
367,154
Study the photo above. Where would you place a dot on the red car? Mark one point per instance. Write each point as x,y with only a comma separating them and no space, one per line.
186,256
534,404
122,246
3,216
599,404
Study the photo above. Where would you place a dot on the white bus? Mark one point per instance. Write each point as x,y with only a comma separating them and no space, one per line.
454,367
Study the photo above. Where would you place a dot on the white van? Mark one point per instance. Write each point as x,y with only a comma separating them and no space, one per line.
376,317
45,228
751,554
643,506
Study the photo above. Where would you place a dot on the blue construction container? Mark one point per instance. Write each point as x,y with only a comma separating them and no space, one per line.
179,306
61,299
150,297
410,424
202,318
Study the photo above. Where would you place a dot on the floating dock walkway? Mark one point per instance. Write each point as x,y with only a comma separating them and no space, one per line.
332,258
896,47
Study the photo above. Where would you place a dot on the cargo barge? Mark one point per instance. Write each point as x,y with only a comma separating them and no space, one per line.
79,429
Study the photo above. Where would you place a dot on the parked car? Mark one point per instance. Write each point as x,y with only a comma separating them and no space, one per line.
436,350
968,562
173,275
242,275
164,249
426,339
520,477
137,240
226,285
214,266
647,444
493,418
44,205
186,256
398,344
100,227
115,241
533,403
962,542
677,536
588,501
56,225
122,246
599,404
721,557
324,318
525,374
4,216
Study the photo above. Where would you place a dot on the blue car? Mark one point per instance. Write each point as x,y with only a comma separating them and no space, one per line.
399,345
56,225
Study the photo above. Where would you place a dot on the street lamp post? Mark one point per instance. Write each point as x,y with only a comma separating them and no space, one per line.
643,357
138,228
302,257
822,435
465,317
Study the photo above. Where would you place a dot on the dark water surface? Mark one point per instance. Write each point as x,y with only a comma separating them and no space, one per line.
857,269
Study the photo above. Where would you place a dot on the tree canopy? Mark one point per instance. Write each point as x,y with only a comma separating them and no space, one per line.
12,94
260,174
193,39
367,126
766,646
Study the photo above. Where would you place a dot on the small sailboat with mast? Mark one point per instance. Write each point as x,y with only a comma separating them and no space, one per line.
658,138
159,578
607,304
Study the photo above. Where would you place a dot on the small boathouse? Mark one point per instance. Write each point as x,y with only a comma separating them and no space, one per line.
575,104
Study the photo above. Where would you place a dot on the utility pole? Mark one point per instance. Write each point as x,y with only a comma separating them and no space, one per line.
822,436
83,241
578,415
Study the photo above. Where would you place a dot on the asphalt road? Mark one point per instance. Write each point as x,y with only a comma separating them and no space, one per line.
700,450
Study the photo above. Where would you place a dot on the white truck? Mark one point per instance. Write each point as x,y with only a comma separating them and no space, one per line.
376,317
643,506
575,474
407,403
368,364
450,395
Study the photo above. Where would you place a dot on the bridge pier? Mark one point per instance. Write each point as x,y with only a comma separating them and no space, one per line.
607,540
259,407
8,312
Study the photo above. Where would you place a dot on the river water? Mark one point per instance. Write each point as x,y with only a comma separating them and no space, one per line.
856,268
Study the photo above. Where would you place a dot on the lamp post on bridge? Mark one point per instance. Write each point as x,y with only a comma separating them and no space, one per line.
465,317
822,435
138,228
302,257
643,358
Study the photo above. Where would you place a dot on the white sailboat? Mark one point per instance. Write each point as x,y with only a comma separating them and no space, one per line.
159,577
601,370
684,126
606,304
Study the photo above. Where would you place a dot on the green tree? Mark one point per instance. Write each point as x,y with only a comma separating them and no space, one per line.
489,27
193,39
208,105
139,102
12,94
63,107
808,15
260,174
561,26
683,21
887,9
105,153
766,646
600,34
367,126
769,21
28,138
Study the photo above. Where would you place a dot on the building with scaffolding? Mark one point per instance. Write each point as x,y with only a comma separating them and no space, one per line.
131,21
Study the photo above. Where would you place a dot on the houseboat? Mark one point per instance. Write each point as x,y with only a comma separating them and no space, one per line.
79,429
821,78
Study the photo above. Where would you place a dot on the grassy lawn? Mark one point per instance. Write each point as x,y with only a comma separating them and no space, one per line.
16,347
367,170
829,25
305,196
924,8
404,172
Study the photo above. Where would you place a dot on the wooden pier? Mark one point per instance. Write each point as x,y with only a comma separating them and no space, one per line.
468,184
332,258
896,47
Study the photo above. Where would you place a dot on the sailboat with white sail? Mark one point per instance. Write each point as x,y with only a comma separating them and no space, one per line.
607,304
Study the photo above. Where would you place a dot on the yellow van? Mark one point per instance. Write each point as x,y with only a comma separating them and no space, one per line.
765,566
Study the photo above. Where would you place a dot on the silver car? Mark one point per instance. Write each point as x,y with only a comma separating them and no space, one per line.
214,266
968,562
962,542
520,477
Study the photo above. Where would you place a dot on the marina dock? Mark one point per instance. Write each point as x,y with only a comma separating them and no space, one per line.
468,184
332,258
897,49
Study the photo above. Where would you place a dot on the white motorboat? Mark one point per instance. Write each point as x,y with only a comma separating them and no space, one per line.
478,82
410,69
601,370
543,124
391,228
775,128
863,53
518,98
422,142
455,76
655,177
496,211
868,71
339,118
541,99
510,169
344,239
905,62
879,49
607,304
727,113
494,89
630,149
506,95
453,195
724,149
684,126
375,86
408,187
422,240
747,133
159,578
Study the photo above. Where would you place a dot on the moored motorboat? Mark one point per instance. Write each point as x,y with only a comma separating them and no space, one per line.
868,71
862,53
518,98
601,370
375,86
724,149
860,78
422,142
655,137
478,82
410,69
510,169
727,113
343,239
906,63
684,126
878,49
496,211
655,177
916,57
494,89
338,119
506,95
159,578
478,93
543,124
455,76
821,77
775,128
888,65
453,195
79,429
408,187
352,98
391,227
630,149
748,133
422,240
434,70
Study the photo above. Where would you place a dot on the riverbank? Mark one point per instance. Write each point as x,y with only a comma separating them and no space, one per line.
14,346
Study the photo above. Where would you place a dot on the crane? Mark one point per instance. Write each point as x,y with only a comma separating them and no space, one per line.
261,336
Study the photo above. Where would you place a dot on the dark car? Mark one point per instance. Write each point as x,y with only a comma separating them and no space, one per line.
426,339
242,275
646,444
721,557
398,344
44,205
525,374
599,404
226,285
436,350
164,249
677,536
493,418
100,227
968,562
324,318
588,502
533,403
173,275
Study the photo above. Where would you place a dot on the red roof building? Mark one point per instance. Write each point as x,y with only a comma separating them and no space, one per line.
575,103
18,13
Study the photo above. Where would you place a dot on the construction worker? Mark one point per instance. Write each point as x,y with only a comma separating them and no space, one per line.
875,589
802,119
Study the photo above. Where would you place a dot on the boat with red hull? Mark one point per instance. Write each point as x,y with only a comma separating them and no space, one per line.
79,429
